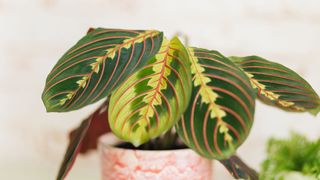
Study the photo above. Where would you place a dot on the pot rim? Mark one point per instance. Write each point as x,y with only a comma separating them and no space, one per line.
110,141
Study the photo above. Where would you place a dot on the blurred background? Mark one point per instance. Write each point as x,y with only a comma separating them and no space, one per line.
35,33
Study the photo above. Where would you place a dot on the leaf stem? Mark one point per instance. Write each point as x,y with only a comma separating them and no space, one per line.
239,169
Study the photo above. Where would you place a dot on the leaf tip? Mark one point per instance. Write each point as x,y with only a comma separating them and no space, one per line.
90,30
315,111
136,143
49,108
175,38
47,104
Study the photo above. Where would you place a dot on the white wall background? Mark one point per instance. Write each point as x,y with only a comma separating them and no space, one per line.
35,33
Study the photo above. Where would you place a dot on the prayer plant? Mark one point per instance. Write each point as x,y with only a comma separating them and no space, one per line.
154,87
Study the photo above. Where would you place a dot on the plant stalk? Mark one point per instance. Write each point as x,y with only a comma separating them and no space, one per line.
239,169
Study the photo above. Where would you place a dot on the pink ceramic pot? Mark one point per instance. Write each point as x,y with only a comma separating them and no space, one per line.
128,164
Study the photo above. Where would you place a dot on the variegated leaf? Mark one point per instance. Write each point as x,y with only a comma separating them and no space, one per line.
150,101
278,85
96,65
220,114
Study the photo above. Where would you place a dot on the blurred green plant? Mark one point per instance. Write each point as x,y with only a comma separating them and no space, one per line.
294,158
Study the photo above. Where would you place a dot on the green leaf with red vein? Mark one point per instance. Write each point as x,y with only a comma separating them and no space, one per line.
96,65
220,114
150,101
278,85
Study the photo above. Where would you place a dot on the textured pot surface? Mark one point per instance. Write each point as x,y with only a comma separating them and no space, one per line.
128,164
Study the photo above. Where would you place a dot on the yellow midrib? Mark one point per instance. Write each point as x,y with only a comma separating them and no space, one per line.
164,50
95,65
213,106
203,85
270,95
126,43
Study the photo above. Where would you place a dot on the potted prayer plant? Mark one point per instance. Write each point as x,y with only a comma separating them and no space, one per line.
162,97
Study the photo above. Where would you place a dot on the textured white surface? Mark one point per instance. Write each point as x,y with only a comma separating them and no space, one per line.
35,33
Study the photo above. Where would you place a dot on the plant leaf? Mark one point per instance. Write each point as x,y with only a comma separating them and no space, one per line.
76,142
150,101
238,169
278,85
99,126
220,114
96,65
